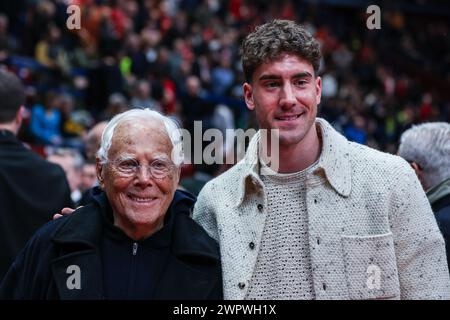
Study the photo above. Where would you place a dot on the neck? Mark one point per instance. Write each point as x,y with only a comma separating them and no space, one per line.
138,232
298,157
9,127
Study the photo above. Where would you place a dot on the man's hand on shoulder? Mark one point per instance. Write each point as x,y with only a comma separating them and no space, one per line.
64,212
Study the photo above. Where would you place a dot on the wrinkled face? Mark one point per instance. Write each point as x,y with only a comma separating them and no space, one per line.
284,94
138,200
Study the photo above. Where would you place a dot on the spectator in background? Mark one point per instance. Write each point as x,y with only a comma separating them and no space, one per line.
7,43
108,81
427,148
31,189
356,130
222,76
45,123
72,126
117,103
141,97
194,106
51,52
88,176
93,140
72,163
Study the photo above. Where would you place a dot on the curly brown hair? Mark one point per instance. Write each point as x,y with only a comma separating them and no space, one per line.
269,41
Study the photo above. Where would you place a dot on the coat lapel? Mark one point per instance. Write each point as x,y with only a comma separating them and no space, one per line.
77,271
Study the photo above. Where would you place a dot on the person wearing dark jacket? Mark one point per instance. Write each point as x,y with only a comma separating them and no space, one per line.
427,148
31,188
136,240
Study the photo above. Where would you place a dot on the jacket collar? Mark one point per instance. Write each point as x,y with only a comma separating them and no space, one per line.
7,136
185,228
83,227
79,258
334,161
439,191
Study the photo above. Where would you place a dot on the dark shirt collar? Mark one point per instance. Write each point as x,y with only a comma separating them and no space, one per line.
7,135
160,239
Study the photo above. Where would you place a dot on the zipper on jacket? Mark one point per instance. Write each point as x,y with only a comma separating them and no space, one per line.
133,271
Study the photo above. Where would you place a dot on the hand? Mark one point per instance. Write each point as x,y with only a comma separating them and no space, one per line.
64,212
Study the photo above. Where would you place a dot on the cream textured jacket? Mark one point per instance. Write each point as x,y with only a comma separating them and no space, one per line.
372,233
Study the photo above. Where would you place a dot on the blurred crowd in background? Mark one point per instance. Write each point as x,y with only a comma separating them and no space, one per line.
181,57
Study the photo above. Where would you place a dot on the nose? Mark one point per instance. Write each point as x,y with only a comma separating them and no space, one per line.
287,99
143,176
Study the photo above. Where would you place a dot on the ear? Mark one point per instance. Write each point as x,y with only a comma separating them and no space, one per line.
19,117
248,96
318,84
176,176
100,172
418,170
20,113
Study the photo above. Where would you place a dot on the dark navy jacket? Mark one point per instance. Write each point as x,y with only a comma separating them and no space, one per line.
441,209
45,267
31,191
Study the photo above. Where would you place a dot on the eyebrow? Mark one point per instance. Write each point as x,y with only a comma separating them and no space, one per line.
161,157
128,157
125,158
305,74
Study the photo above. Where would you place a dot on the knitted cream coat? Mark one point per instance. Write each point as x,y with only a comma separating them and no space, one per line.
372,233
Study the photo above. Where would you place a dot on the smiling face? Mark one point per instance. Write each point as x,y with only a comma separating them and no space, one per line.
139,201
284,94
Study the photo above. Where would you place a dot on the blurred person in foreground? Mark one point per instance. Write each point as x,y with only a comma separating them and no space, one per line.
427,148
325,218
31,188
136,240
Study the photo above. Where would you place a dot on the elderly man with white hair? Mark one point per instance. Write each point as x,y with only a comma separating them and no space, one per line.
136,240
427,148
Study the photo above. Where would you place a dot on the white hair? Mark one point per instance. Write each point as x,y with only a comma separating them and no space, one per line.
428,145
172,128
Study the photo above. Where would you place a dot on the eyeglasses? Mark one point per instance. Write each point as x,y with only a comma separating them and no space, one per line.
159,169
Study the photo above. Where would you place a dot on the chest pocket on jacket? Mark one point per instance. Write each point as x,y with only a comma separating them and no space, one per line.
370,267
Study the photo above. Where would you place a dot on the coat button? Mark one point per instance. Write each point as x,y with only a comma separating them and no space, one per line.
251,245
260,207
324,286
241,285
315,201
